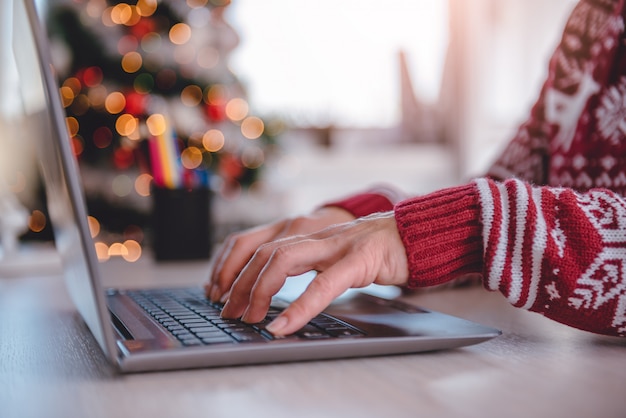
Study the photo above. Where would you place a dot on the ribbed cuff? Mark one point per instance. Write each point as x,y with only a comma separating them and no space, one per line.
363,204
441,232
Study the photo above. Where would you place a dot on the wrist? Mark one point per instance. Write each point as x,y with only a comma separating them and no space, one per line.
441,233
333,214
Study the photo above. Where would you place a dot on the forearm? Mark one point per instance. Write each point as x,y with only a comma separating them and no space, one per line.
548,250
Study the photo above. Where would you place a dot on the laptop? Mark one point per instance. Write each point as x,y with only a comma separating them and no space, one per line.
175,328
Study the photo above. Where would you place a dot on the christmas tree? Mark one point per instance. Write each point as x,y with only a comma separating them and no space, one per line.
151,101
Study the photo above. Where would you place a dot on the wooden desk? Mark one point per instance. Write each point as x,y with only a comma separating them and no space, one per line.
51,367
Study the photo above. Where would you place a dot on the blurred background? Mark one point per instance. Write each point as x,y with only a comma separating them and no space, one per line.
273,106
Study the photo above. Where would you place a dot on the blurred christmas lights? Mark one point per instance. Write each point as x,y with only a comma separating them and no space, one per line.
130,67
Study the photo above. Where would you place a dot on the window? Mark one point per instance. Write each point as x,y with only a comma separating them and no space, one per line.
318,62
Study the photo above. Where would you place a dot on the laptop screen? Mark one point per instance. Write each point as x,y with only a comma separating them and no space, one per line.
44,128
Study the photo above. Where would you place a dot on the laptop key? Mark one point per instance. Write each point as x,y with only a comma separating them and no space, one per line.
193,322
218,339
207,328
185,336
210,334
187,316
190,342
176,327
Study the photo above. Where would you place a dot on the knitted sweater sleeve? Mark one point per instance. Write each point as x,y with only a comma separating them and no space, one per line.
549,250
380,198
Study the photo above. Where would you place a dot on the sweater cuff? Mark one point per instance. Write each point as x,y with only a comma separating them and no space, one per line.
363,204
380,198
441,233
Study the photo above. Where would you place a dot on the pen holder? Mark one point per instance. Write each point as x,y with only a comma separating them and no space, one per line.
181,223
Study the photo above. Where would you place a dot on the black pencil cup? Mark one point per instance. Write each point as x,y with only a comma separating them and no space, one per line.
181,224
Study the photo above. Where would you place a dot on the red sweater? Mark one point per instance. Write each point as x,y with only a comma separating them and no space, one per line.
547,225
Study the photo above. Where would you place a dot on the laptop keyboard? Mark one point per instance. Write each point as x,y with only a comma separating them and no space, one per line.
194,320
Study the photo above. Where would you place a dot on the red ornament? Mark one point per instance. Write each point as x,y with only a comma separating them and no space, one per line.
143,27
123,158
92,76
136,103
215,112
230,167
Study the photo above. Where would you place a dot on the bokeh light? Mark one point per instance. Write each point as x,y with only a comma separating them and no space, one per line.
191,158
102,137
123,158
122,185
133,251
146,8
143,83
237,109
252,127
92,76
117,249
130,250
213,140
142,184
191,96
125,14
157,125
78,145
80,105
97,96
72,125
37,221
151,42
216,94
102,251
127,44
126,124
180,33
67,95
94,226
115,103
132,62
74,84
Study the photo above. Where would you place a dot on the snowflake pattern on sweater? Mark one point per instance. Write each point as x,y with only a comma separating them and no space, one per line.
575,135
557,252
575,271
547,226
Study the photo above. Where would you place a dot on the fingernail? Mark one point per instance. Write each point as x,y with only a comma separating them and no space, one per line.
225,297
224,312
277,324
244,317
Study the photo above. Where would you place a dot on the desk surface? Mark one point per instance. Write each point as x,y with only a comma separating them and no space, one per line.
51,367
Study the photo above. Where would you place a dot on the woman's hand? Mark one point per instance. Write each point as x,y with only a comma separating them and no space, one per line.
349,255
238,248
